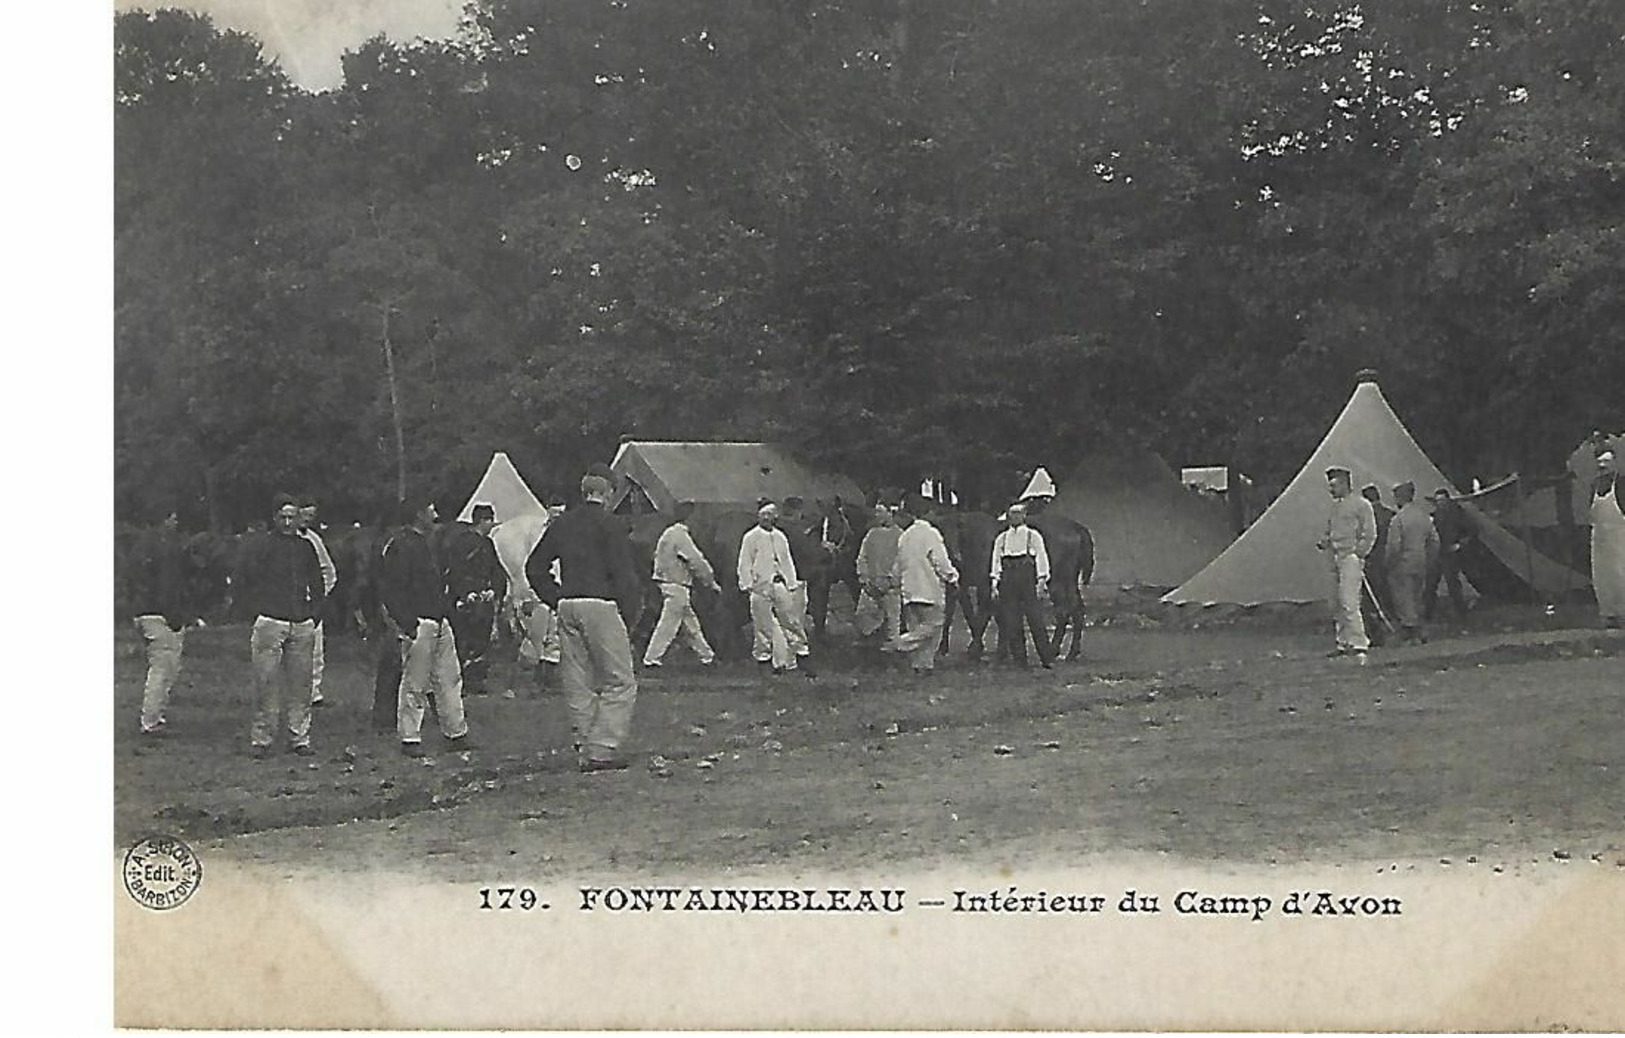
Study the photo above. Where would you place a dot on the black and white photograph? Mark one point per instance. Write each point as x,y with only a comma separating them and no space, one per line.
866,514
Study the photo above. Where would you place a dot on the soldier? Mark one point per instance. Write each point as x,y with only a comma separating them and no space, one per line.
923,572
164,606
1351,532
476,581
678,564
310,530
283,590
767,573
1020,571
413,586
1410,551
879,585
596,600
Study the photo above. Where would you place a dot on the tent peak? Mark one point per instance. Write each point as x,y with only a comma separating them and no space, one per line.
1365,375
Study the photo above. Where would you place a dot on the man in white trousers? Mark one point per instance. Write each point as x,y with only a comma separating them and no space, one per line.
1351,533
597,598
679,564
281,587
413,587
923,572
767,573
164,606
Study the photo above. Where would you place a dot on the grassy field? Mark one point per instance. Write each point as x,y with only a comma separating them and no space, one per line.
1238,742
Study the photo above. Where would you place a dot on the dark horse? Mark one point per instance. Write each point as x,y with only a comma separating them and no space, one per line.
838,533
1071,548
1071,565
969,536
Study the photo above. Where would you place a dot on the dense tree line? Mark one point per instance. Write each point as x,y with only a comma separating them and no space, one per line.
912,237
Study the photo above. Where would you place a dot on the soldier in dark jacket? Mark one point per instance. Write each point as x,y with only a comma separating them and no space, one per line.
1455,533
413,585
477,582
281,587
164,605
596,599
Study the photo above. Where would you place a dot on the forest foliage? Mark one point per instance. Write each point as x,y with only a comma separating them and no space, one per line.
951,238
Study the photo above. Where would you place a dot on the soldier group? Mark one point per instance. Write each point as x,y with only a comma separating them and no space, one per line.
438,588
437,591
1387,565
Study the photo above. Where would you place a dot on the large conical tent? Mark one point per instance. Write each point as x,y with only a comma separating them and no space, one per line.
504,490
1276,559
1149,531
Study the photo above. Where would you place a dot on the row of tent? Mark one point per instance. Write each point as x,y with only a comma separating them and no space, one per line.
1149,530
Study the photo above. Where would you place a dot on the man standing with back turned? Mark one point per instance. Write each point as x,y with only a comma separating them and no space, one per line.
923,572
1351,532
596,599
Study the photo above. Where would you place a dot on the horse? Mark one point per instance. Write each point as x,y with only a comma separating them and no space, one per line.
839,534
1071,551
969,536
355,551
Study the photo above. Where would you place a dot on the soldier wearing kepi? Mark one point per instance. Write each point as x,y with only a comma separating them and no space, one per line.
282,588
596,599
1411,547
476,581
413,587
1351,532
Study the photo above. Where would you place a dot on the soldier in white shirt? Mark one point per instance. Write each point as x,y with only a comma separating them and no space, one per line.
767,573
679,564
1020,569
1351,532
923,571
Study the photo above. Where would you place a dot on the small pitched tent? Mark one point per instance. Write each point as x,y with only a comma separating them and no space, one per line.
656,475
1276,559
1149,531
504,490
1041,485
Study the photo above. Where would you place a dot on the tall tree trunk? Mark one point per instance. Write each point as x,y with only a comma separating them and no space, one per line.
211,497
394,403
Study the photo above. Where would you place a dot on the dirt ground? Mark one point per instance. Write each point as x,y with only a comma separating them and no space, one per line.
1209,738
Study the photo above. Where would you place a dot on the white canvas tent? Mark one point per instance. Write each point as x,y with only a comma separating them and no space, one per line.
505,490
1276,559
1041,485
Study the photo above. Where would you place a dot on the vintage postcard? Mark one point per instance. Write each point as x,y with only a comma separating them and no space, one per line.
893,515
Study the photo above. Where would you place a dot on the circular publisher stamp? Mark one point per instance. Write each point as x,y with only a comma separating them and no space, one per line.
161,872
